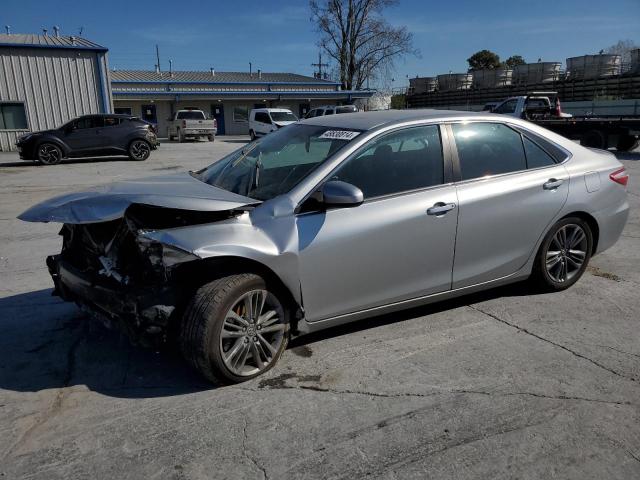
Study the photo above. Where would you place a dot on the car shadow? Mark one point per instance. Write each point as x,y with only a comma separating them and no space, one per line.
50,344
635,155
68,161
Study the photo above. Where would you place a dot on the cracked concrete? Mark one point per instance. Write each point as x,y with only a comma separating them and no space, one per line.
505,384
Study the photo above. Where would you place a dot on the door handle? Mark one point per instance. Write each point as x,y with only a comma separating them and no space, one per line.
440,208
552,184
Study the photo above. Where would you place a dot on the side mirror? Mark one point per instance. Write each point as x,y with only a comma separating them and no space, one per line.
336,193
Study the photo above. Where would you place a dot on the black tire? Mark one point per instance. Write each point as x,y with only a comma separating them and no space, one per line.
252,135
594,139
211,138
545,277
49,153
201,338
139,150
180,136
626,143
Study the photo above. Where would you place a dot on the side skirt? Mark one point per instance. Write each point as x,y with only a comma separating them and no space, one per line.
305,327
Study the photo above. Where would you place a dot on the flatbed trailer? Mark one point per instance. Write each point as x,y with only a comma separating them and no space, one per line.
543,108
597,132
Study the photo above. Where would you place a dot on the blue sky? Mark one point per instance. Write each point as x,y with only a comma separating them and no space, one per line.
276,35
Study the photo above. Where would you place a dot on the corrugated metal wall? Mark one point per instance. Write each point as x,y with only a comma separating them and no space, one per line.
56,85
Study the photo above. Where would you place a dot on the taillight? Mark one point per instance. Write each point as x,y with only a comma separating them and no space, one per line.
558,108
215,123
620,176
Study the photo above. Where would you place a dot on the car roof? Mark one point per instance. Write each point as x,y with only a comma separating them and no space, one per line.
371,120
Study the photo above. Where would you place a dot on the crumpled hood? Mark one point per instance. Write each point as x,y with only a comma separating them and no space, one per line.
108,202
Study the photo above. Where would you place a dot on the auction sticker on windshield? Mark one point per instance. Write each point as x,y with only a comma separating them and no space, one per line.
339,134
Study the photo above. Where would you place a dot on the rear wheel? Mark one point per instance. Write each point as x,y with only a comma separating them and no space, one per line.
594,139
139,150
211,138
49,154
234,329
626,143
564,254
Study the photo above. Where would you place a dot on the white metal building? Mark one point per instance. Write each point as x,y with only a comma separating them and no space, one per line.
46,80
226,96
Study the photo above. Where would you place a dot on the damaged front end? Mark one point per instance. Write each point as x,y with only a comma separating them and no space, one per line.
113,271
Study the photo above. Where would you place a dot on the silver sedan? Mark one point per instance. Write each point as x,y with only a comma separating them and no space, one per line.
331,220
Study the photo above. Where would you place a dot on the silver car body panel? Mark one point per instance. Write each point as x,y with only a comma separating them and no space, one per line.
387,254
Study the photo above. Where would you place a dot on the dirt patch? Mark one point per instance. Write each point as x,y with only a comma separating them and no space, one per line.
601,273
303,351
281,380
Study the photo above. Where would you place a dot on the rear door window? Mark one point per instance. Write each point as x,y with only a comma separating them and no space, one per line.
536,156
486,149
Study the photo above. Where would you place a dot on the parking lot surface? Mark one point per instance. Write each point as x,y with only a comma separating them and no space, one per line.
503,384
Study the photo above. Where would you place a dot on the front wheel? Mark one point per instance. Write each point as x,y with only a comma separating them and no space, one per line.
139,150
234,329
252,135
564,254
49,154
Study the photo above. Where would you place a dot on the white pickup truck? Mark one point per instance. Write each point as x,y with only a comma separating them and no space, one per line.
191,124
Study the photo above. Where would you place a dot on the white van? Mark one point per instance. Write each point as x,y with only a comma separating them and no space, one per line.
265,120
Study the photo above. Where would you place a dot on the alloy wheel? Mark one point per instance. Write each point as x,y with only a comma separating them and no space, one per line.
252,333
566,253
140,150
49,154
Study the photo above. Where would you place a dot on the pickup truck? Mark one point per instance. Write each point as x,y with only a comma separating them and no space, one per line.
191,124
544,109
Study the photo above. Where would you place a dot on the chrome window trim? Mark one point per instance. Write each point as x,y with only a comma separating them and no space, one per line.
514,126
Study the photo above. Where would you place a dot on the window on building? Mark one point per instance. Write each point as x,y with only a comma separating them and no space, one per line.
488,149
13,116
402,161
122,110
241,114
536,156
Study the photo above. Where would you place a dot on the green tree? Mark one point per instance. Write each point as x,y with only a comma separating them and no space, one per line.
483,59
514,60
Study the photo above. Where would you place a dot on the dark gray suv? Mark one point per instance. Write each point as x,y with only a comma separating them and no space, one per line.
89,136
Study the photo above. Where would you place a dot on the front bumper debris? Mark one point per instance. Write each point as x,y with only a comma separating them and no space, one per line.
142,312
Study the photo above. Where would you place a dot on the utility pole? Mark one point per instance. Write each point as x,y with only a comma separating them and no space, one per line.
319,65
157,58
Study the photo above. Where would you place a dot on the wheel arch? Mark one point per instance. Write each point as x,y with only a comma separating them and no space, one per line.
593,225
56,141
200,272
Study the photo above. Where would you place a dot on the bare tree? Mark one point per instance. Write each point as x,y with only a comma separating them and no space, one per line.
622,48
362,43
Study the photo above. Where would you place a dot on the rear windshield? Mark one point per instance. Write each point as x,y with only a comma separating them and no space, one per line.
283,117
195,115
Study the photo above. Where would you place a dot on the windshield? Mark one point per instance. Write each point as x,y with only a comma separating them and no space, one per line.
195,115
276,163
283,117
